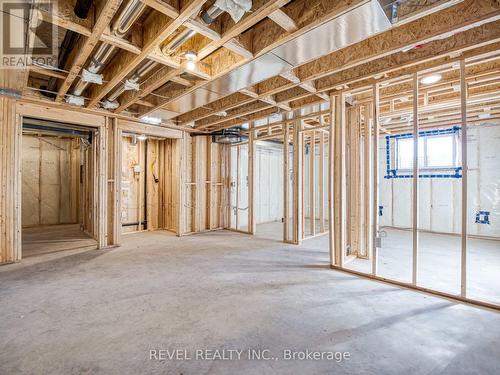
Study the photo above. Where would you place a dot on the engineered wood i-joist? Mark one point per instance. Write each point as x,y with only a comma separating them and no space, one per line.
159,29
327,75
261,29
85,46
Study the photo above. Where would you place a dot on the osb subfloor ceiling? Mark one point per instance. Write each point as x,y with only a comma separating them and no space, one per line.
228,73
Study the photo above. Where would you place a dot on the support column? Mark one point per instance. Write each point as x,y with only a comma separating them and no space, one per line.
367,182
252,225
375,113
101,163
331,183
114,182
286,214
340,195
415,182
181,193
312,185
10,181
297,181
463,107
321,177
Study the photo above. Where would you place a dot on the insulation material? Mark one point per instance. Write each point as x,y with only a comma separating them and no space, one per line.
268,182
47,175
205,185
238,194
235,8
440,198
316,183
483,145
132,197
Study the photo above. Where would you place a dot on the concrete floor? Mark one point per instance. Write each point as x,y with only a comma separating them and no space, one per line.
55,238
101,311
274,230
439,263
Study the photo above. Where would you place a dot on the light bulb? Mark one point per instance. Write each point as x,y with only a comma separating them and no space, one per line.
429,80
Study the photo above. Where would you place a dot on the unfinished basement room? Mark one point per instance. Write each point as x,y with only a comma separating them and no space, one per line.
250,187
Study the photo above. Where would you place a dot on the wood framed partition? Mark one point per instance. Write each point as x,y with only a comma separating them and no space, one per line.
160,189
204,191
372,105
104,156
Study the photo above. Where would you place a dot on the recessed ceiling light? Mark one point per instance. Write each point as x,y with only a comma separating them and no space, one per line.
142,137
387,120
190,65
484,115
429,80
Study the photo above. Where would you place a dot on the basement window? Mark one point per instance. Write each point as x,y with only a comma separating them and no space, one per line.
438,154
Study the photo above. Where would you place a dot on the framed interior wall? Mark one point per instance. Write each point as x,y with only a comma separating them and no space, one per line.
428,222
204,185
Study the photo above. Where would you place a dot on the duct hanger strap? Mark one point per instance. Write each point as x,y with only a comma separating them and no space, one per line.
76,100
91,77
131,85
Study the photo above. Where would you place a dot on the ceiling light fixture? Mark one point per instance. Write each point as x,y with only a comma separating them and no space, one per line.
191,60
430,79
142,137
191,56
484,115
190,65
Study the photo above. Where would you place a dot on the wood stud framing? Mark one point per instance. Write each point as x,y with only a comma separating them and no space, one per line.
193,194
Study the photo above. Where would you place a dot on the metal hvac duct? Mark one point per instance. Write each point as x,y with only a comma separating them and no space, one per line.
207,17
120,27
349,28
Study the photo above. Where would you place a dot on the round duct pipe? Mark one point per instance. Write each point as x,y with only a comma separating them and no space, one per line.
82,8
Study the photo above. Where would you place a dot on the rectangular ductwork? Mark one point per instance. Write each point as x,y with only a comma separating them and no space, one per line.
350,28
